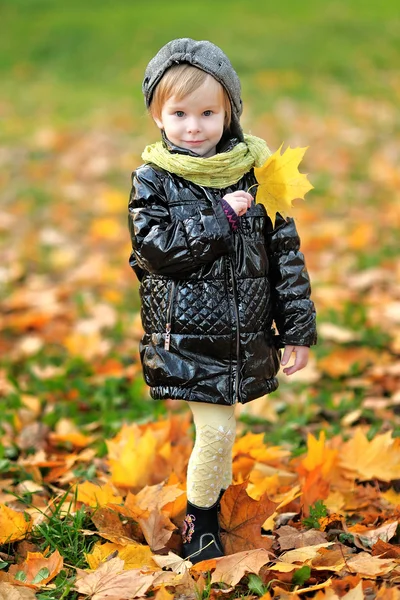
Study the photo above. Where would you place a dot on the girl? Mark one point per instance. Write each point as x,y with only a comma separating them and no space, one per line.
215,275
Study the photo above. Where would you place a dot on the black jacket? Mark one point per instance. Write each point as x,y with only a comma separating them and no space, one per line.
209,295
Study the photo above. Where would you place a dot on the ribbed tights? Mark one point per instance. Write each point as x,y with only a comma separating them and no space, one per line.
210,464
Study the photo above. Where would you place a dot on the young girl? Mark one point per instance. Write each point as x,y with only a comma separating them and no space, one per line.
215,275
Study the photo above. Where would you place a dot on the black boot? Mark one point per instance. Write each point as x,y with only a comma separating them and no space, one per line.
200,533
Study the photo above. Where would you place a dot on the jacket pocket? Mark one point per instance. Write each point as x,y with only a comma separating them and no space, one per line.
170,312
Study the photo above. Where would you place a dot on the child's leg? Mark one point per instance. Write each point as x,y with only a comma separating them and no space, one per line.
210,464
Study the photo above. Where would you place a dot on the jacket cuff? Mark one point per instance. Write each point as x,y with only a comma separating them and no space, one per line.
232,217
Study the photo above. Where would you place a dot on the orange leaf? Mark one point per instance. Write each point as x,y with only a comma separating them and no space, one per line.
242,518
13,525
38,569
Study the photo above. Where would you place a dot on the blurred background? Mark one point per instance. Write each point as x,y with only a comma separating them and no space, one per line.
318,74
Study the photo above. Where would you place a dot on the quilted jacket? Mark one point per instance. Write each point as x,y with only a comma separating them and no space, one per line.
210,296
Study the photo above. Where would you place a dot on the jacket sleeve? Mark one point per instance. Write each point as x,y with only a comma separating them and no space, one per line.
172,247
294,311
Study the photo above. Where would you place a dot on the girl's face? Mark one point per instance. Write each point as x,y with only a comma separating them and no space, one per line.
196,122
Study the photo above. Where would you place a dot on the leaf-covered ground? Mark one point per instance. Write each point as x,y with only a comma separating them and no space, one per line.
92,472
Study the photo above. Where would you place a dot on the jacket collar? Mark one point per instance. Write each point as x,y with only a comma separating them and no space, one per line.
225,144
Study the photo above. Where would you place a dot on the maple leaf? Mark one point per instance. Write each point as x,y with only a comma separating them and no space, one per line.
242,518
370,566
157,529
10,592
131,456
369,459
134,555
13,525
172,561
230,569
94,495
111,582
155,497
280,182
37,569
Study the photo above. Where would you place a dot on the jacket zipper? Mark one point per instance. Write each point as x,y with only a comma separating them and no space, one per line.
169,317
235,303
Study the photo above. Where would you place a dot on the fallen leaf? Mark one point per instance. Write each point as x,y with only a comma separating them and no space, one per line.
38,569
94,495
172,561
369,459
134,555
11,592
111,582
157,496
230,569
131,456
13,525
370,566
157,529
242,518
290,537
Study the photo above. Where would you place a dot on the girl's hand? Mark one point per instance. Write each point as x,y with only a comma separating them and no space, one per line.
301,358
240,201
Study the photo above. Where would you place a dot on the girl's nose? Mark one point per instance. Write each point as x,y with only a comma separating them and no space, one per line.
192,126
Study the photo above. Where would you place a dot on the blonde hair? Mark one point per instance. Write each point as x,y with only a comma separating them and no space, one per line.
180,81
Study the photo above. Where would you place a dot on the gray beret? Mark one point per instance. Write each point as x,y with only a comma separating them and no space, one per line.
205,56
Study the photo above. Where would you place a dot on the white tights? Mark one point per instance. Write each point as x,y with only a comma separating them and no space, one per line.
210,464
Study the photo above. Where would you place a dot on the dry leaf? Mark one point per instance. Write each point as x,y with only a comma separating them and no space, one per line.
94,495
231,569
370,566
13,525
111,582
11,592
242,518
157,529
135,556
38,569
369,459
131,456
289,537
172,561
280,182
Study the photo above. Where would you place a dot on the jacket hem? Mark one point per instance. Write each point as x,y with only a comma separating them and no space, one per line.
189,395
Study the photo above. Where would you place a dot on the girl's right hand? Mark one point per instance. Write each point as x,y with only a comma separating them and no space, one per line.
240,201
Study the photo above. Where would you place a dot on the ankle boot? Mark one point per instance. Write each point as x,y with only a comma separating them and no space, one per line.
200,533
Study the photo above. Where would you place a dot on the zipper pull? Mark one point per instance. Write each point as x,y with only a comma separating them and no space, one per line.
167,336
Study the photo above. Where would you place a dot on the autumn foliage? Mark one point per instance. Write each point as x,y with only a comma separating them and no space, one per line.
93,472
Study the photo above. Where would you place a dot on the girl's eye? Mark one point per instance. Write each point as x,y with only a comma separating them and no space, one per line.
179,113
207,113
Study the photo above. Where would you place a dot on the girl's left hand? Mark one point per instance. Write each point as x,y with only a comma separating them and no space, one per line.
301,358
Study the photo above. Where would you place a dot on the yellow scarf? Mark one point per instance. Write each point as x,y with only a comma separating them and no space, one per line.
218,171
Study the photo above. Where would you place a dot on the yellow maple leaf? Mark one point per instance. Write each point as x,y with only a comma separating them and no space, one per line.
93,494
131,456
280,182
13,525
369,459
134,555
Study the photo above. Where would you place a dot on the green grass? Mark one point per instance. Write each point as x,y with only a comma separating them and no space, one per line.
77,60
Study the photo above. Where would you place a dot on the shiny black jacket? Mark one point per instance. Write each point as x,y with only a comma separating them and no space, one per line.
209,295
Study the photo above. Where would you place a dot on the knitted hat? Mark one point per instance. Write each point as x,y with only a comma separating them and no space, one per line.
205,56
